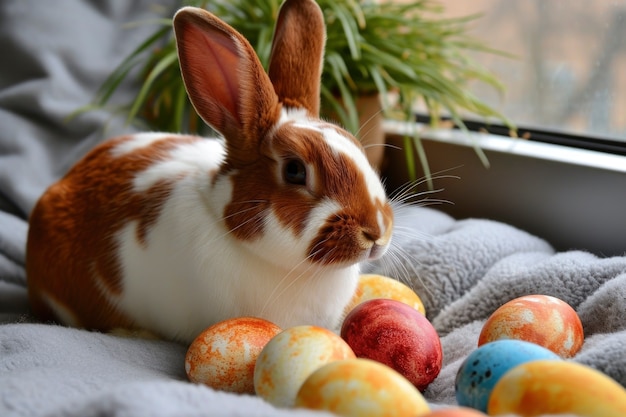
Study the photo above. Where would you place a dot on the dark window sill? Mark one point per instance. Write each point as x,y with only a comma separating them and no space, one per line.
574,198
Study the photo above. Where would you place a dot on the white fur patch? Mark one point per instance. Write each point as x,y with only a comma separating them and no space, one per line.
296,115
203,156
292,249
347,147
193,273
380,218
137,141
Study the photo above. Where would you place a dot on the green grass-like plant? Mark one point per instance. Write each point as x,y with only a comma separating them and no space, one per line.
400,49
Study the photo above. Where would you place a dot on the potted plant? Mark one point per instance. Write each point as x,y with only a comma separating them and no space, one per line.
383,54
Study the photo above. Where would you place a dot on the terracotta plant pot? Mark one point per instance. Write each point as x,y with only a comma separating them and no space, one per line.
371,133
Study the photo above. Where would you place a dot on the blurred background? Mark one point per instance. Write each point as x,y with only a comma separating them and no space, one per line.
567,69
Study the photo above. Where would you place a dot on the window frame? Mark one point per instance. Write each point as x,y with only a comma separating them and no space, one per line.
573,197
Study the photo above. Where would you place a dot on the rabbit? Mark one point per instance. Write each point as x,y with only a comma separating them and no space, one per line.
171,233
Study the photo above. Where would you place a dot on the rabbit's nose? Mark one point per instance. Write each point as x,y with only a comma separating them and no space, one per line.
369,236
373,237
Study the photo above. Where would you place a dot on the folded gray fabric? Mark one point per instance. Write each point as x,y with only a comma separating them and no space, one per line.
12,243
55,56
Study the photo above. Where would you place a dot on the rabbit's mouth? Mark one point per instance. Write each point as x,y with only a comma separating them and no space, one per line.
376,252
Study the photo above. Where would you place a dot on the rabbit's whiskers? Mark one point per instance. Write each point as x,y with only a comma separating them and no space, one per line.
246,209
367,123
384,145
398,262
406,193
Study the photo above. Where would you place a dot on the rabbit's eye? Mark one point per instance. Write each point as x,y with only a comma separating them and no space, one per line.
295,172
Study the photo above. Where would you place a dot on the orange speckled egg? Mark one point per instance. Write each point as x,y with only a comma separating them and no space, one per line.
557,387
223,356
372,286
540,319
290,357
455,412
361,388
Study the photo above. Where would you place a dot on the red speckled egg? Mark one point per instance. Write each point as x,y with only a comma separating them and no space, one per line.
540,319
396,335
223,356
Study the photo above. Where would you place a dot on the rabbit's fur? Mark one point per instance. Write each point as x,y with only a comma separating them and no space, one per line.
172,233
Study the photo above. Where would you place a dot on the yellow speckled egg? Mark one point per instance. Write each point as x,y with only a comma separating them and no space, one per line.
557,387
372,286
361,388
223,356
290,357
540,319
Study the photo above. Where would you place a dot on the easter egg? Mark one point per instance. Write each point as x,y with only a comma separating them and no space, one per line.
360,388
396,335
290,357
455,412
540,319
482,368
371,286
557,387
224,355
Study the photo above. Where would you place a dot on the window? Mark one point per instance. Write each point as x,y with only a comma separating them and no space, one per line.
568,69
565,85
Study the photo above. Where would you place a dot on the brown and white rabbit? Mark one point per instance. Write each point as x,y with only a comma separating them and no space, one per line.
172,233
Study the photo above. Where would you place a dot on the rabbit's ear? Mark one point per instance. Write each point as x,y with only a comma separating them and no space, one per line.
224,79
297,54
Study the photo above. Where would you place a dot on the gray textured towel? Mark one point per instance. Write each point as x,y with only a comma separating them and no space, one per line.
463,270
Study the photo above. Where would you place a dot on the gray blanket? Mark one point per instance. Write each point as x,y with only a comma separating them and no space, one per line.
55,55
463,271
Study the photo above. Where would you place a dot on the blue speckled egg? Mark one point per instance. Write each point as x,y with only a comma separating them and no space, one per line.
485,366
